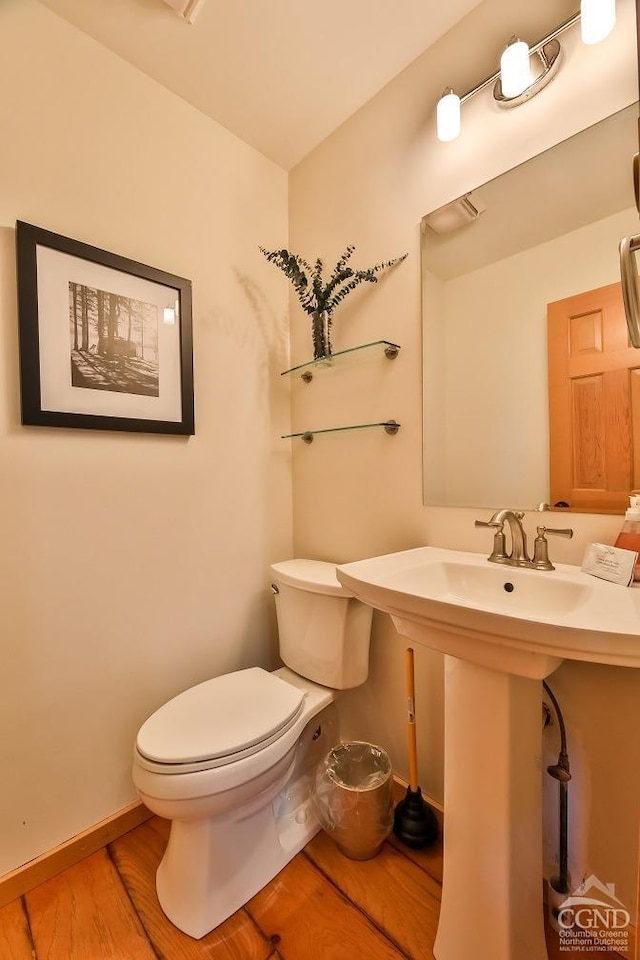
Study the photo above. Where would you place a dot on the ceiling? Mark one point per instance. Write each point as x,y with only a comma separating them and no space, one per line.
282,74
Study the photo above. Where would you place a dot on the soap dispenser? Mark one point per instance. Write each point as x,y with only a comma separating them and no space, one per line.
629,536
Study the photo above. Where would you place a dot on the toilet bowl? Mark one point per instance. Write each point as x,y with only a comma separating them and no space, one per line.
231,761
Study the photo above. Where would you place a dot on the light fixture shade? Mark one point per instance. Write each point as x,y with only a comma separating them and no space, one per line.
597,19
515,68
448,116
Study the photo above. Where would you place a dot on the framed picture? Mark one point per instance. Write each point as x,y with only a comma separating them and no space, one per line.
105,342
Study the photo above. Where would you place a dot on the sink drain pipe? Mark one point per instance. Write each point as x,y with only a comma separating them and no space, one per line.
561,772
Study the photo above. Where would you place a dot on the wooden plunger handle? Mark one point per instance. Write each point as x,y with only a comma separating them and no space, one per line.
411,722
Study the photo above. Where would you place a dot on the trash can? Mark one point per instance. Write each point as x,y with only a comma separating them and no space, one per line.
353,798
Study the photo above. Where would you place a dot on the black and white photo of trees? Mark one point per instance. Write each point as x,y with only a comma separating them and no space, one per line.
114,342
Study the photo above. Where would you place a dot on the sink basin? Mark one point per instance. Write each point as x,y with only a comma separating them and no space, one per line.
520,621
496,589
502,630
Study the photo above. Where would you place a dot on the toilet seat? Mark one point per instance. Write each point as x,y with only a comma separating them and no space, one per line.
218,722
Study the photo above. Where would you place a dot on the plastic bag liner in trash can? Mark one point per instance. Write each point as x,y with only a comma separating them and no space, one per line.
353,797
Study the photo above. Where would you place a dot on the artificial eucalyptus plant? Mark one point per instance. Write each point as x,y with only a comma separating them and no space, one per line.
319,297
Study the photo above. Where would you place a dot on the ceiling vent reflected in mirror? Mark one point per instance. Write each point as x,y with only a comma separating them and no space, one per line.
456,215
187,9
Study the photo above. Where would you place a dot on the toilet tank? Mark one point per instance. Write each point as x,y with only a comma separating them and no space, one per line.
324,631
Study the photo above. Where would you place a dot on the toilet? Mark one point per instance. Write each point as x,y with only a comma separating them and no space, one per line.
231,761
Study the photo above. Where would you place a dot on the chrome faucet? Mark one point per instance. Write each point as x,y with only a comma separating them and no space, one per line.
519,556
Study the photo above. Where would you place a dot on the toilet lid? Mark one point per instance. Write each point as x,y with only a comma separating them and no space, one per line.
232,714
313,576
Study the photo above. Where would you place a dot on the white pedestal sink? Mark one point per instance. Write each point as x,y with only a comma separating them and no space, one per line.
502,629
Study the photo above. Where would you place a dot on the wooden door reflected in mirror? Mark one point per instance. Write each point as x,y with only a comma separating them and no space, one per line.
594,403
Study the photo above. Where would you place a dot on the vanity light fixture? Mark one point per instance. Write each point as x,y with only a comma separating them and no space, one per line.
448,116
515,68
598,18
522,75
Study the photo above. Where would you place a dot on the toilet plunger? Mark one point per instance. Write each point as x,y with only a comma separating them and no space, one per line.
414,822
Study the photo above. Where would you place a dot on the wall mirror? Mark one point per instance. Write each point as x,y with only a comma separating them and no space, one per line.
491,263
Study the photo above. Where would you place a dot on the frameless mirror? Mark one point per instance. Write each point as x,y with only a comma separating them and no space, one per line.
492,262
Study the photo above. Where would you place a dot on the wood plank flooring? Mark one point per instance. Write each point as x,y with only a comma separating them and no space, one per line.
322,906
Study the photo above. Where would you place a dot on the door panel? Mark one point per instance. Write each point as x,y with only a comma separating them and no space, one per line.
594,402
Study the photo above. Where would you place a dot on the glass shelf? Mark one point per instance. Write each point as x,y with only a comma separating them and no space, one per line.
305,370
390,426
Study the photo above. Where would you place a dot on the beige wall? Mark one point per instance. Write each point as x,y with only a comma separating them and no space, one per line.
360,494
130,566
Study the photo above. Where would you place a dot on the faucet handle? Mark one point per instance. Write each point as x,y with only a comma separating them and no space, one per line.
541,546
565,532
499,552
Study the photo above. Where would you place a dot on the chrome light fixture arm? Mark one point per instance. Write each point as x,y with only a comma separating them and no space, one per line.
549,54
536,48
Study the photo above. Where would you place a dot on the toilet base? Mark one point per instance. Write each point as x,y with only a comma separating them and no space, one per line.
212,868
214,865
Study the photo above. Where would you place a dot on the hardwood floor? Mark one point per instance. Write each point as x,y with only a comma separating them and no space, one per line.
322,906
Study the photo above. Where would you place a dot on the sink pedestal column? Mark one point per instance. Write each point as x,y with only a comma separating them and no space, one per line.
492,884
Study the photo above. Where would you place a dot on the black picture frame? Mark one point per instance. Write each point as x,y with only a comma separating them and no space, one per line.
76,370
